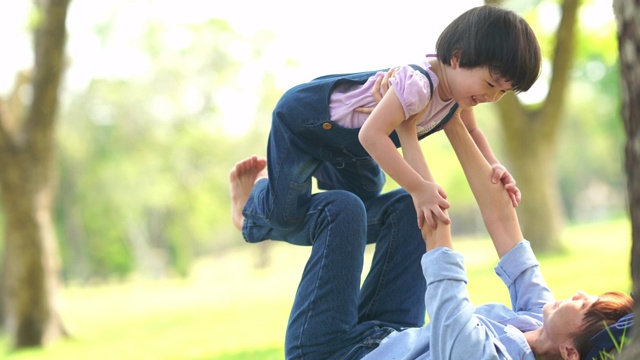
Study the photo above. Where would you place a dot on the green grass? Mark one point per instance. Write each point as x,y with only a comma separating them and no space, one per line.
229,310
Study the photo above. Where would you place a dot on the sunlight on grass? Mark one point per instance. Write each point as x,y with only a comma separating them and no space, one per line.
229,309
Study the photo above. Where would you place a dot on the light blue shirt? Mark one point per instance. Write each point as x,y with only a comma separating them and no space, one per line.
459,330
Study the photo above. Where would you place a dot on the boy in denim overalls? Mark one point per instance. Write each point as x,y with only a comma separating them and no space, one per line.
319,128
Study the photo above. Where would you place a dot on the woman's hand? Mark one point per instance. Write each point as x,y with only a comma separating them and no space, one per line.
380,87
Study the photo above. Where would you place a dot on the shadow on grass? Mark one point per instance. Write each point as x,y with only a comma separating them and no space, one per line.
264,354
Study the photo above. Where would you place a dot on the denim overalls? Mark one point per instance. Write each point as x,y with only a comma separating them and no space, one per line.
303,143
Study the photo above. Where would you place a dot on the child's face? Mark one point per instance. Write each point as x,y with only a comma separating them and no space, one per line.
472,86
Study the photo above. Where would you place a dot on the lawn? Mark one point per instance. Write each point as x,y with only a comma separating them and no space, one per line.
228,309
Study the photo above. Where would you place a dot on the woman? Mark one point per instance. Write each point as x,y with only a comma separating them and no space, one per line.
328,321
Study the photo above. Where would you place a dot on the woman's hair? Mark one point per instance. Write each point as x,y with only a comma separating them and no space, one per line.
605,311
494,37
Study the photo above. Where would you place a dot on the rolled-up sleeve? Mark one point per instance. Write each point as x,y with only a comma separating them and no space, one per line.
455,329
520,271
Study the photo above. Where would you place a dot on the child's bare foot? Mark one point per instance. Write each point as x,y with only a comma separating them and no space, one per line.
242,178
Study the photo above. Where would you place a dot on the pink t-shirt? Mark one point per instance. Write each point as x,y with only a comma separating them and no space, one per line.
411,87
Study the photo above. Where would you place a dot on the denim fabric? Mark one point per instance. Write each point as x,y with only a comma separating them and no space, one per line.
303,143
333,317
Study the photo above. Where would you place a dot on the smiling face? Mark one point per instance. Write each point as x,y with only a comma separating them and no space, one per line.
564,317
472,86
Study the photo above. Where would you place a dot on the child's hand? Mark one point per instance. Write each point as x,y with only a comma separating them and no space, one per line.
430,202
501,174
380,87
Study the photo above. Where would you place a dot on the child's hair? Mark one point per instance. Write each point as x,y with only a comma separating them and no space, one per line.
494,37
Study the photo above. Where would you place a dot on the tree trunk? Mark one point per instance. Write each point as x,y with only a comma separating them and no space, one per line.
540,211
628,17
531,137
27,180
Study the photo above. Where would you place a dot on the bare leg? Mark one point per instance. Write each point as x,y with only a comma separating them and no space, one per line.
242,178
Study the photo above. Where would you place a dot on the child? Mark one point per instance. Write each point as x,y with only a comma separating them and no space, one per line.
320,130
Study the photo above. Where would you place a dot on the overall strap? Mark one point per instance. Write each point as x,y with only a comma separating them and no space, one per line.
442,122
449,115
426,74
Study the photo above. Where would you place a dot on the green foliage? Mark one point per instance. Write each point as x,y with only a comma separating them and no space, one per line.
145,161
263,354
617,346
144,158
214,315
589,147
590,162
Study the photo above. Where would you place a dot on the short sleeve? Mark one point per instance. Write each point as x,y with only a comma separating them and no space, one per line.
412,88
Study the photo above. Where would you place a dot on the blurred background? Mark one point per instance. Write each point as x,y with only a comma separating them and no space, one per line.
159,99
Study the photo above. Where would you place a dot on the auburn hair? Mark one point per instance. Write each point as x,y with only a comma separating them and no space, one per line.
604,312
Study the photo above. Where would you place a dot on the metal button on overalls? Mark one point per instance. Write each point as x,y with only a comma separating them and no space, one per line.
327,126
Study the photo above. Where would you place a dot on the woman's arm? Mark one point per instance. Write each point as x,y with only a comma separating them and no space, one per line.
500,173
469,121
456,331
499,216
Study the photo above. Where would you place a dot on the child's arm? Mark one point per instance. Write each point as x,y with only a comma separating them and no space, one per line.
410,172
499,173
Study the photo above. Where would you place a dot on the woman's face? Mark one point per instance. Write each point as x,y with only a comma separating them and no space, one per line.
563,317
